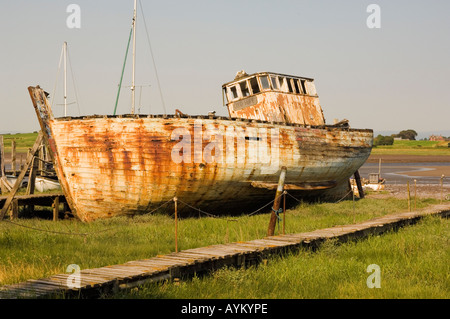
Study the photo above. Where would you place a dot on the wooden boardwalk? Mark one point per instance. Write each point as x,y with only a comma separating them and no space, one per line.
204,259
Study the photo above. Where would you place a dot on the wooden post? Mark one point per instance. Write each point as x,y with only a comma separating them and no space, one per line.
55,209
409,196
284,212
379,168
45,159
21,176
15,209
32,176
13,157
41,157
353,201
442,187
358,184
176,224
2,156
2,166
276,203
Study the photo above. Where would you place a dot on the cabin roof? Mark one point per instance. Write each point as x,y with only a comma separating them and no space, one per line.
246,76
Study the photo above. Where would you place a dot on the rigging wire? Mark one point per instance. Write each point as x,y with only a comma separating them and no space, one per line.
73,80
74,83
123,70
57,74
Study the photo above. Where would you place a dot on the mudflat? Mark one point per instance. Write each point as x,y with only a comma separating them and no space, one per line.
394,158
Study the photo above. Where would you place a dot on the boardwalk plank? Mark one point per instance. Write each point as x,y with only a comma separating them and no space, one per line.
213,253
181,258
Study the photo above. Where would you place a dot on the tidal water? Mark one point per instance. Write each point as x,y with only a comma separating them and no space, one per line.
394,173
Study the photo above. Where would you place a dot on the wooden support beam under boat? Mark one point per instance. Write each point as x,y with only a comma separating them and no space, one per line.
358,184
276,203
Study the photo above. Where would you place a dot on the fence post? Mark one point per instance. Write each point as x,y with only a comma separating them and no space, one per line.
284,212
13,157
442,187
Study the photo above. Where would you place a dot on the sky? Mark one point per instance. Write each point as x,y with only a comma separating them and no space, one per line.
390,78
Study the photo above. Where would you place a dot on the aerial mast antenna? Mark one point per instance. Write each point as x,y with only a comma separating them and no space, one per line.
65,78
133,87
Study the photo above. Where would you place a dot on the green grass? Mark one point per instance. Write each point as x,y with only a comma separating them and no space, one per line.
401,147
413,264
24,141
27,253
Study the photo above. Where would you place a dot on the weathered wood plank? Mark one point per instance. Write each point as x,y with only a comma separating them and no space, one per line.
179,258
155,265
209,253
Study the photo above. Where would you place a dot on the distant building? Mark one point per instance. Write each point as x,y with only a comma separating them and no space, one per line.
437,138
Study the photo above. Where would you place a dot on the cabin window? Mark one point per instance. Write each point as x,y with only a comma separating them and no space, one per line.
274,81
296,87
283,85
244,88
264,82
289,85
254,85
303,82
234,93
224,96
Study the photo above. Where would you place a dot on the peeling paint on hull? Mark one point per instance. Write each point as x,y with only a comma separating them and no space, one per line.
111,166
122,166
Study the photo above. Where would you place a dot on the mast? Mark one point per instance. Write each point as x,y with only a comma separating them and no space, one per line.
65,78
133,88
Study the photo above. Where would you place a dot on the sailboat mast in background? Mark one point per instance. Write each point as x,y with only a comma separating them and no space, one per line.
65,77
133,87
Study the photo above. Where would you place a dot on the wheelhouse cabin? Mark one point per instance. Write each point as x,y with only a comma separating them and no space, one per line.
273,97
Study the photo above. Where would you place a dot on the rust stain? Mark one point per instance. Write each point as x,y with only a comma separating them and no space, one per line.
138,172
124,165
288,104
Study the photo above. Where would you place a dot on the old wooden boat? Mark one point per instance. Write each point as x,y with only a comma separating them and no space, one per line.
131,164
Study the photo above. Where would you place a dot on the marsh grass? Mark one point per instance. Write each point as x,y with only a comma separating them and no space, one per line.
37,248
413,264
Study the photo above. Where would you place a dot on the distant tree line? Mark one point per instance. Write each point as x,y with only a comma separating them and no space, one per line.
383,140
407,135
389,140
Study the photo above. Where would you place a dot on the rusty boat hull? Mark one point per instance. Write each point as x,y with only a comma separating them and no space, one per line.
126,165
